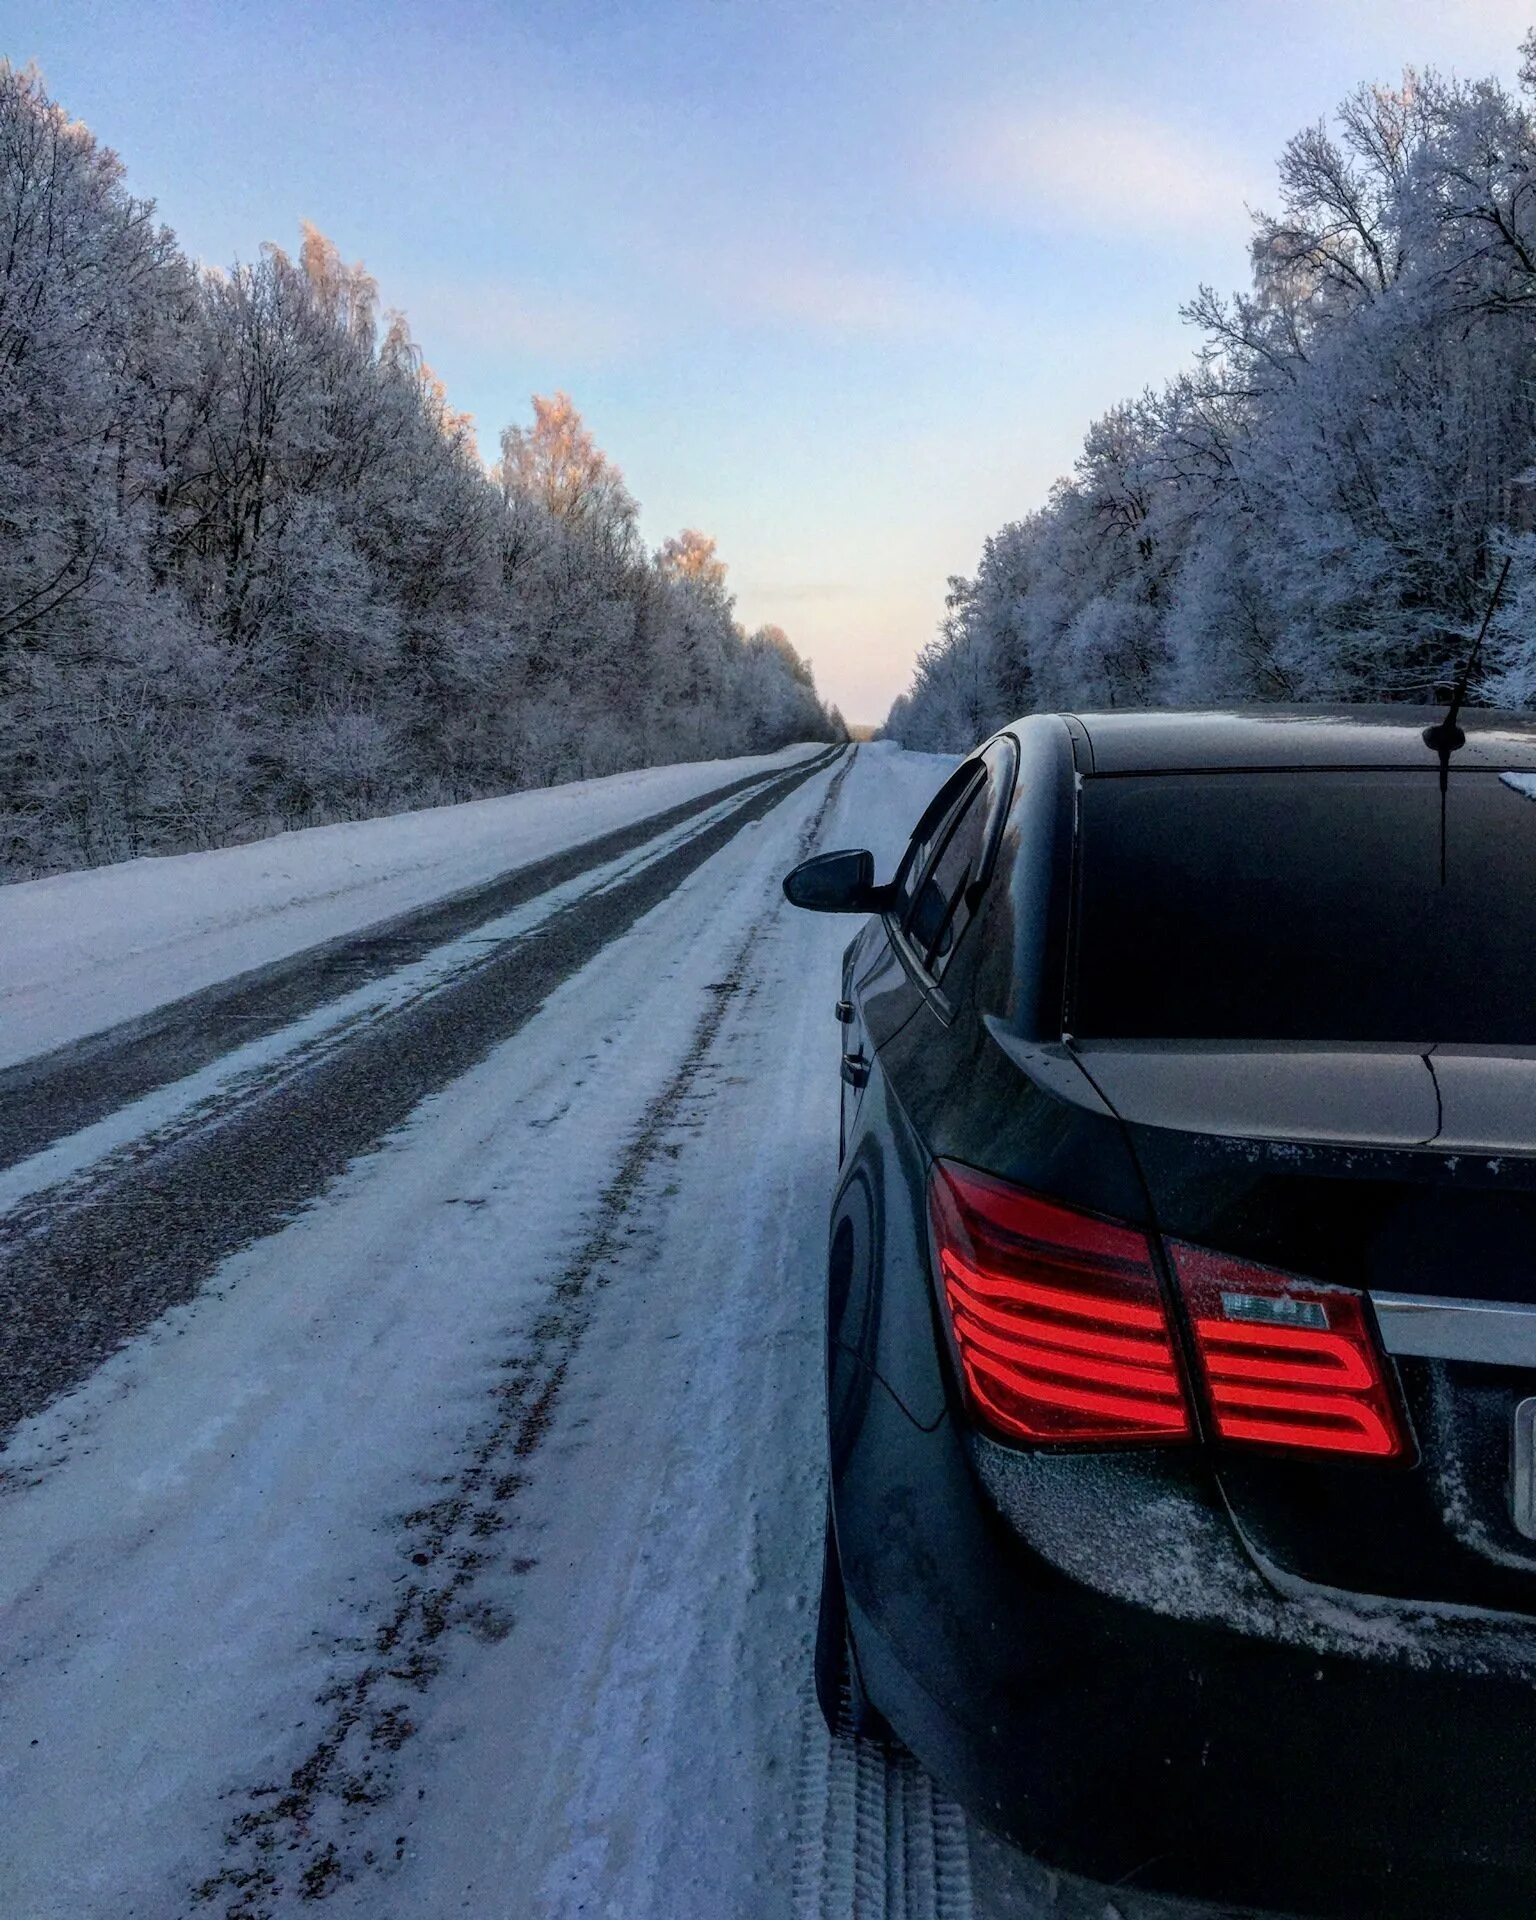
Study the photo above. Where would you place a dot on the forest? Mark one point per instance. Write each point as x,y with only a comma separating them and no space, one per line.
255,574
1317,510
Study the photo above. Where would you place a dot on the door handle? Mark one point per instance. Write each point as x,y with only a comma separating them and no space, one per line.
855,1069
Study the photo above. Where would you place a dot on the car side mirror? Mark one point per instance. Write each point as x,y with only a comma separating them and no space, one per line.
837,883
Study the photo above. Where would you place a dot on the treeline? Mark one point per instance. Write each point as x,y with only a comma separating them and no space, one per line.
1318,509
254,573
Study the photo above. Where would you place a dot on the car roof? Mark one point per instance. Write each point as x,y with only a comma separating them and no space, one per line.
1294,737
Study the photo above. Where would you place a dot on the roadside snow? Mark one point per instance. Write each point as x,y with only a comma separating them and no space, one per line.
82,951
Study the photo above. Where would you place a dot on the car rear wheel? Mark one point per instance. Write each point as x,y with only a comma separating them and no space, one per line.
839,1691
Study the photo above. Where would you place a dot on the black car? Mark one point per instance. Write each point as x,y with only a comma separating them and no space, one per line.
1182,1305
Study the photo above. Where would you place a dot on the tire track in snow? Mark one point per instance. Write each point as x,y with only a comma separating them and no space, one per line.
876,1839
70,1088
301,1838
149,1237
37,1192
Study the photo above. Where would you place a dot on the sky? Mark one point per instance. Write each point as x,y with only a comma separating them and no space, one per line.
841,284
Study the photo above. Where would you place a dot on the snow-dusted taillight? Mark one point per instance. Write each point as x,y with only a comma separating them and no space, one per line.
1057,1315
1287,1362
1064,1337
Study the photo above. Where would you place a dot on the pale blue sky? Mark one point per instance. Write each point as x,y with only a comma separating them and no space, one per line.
841,284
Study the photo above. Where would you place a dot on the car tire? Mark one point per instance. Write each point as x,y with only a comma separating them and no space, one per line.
840,1692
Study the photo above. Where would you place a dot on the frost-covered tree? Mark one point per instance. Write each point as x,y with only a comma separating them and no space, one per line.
253,572
1317,510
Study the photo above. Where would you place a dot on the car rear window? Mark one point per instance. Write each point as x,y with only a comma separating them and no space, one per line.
1307,906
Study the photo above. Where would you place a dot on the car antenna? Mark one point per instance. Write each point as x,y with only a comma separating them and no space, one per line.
1445,736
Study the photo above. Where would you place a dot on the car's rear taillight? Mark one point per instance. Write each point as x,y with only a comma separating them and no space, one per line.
1287,1362
1058,1318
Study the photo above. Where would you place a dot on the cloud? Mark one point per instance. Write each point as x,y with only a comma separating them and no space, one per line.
1106,169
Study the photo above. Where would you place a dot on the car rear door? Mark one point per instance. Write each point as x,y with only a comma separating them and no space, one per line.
900,988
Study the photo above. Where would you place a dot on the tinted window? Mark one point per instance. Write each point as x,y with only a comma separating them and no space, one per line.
1307,906
941,907
930,834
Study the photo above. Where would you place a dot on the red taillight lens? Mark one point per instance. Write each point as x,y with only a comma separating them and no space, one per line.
1287,1362
1058,1317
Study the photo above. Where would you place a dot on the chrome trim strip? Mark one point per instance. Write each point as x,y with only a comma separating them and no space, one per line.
1492,1331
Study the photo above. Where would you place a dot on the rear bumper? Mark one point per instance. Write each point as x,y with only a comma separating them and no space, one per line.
1087,1659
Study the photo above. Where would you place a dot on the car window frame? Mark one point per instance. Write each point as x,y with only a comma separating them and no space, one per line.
977,801
940,819
933,828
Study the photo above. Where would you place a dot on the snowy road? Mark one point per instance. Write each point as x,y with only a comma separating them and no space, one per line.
444,1542
153,1150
